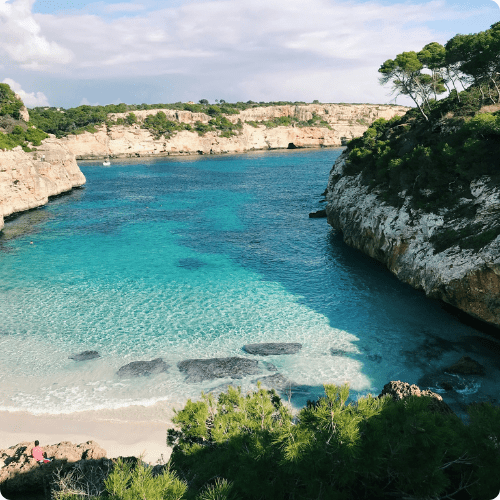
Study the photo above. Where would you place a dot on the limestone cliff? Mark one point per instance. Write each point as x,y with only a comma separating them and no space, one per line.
403,239
341,122
27,180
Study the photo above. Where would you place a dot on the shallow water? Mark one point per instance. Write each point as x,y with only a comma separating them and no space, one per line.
184,258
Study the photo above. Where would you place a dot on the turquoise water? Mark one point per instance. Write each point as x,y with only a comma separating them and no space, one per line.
185,258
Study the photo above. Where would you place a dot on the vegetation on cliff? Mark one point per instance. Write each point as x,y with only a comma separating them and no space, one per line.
250,446
13,130
433,153
62,122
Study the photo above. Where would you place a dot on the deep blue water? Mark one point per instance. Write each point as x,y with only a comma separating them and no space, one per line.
194,257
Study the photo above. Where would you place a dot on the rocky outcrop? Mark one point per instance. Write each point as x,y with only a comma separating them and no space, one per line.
27,180
340,123
21,474
399,390
404,240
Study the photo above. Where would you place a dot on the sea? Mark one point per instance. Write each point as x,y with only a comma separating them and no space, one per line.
193,258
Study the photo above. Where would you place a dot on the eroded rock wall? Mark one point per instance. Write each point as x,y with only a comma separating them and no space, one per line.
27,182
119,141
401,238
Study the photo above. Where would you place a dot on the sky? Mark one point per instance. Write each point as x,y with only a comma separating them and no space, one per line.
68,53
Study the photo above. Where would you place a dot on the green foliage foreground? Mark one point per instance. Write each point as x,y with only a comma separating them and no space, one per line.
252,447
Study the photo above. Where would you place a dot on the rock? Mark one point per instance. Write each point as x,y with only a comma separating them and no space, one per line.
337,352
197,370
318,215
270,367
23,475
272,349
85,355
142,368
399,390
466,366
403,239
26,182
276,381
122,141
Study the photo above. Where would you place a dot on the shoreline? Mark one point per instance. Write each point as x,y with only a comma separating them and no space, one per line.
164,154
129,431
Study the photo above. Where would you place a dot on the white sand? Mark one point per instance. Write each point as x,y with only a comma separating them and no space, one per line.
130,431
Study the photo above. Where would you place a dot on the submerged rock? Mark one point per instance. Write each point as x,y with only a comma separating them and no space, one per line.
466,366
269,349
141,368
85,355
197,370
276,381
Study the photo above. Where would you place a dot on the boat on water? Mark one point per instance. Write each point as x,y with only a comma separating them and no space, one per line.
106,163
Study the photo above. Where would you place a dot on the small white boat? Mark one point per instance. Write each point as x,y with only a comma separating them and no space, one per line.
106,163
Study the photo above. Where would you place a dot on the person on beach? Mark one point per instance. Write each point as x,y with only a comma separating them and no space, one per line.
37,454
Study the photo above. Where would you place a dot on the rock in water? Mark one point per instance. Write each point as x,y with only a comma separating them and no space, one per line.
318,215
399,390
85,355
197,370
466,366
269,349
141,368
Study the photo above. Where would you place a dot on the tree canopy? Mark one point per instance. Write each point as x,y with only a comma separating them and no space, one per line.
465,60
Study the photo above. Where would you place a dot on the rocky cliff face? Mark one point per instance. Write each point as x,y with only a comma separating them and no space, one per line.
402,239
345,122
27,180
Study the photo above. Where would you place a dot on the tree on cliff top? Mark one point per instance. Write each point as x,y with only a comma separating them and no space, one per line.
405,74
10,105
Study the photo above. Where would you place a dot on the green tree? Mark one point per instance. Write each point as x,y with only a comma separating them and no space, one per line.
405,74
132,118
432,56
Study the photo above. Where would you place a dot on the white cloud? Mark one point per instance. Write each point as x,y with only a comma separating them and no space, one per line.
21,39
86,102
236,44
30,99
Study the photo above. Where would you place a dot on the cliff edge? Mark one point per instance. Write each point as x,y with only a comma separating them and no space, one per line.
423,197
404,239
161,132
28,179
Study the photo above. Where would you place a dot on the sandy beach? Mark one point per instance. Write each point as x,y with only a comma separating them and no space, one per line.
129,431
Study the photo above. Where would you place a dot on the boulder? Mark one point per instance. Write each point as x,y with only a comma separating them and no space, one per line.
399,390
272,349
85,355
198,370
466,366
142,368
22,475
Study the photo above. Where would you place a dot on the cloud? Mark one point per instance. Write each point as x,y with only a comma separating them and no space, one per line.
21,39
30,99
86,102
238,44
124,7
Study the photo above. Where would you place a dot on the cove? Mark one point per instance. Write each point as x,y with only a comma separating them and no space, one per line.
194,257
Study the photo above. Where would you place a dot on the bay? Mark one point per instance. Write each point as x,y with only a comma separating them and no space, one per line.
194,257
